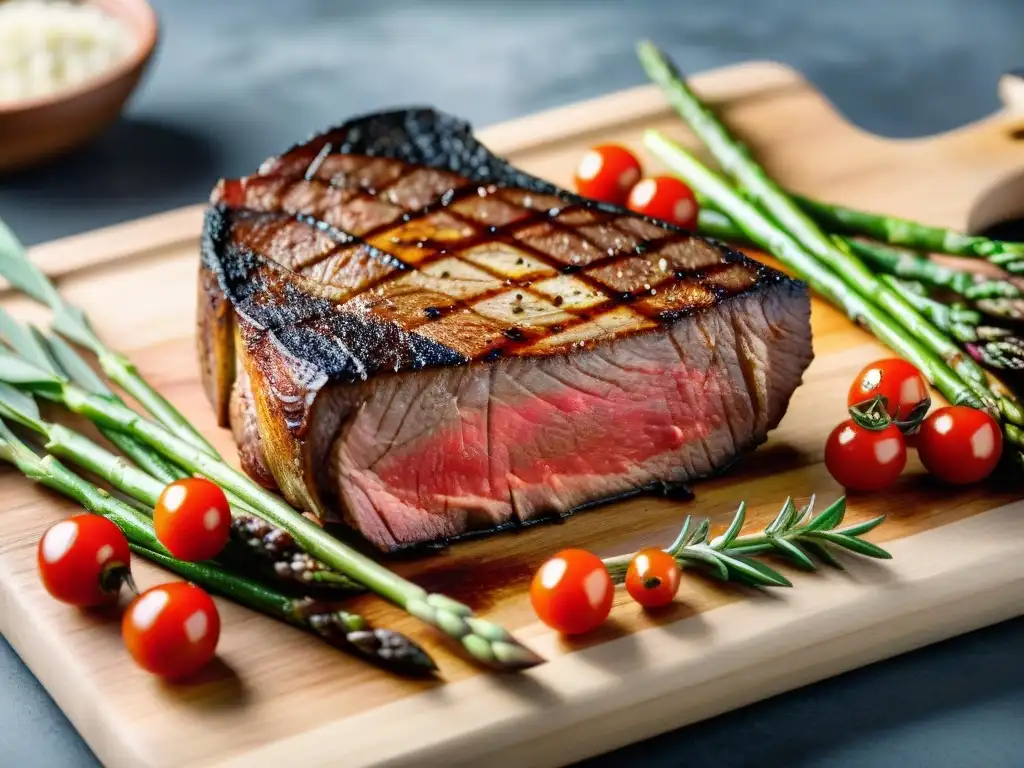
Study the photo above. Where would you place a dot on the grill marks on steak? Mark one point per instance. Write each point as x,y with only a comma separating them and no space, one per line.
548,266
437,343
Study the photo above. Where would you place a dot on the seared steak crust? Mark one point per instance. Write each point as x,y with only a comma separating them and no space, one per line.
399,298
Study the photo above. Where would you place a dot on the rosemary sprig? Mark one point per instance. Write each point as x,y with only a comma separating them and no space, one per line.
797,535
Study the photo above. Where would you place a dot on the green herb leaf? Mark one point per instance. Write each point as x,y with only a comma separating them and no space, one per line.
755,572
794,553
734,527
859,529
783,520
700,535
805,514
17,402
823,553
830,517
75,367
14,370
681,539
713,560
72,323
859,546
20,272
22,341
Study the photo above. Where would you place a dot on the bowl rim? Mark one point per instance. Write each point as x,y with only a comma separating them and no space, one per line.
147,40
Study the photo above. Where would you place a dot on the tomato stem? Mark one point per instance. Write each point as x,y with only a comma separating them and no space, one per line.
872,414
113,575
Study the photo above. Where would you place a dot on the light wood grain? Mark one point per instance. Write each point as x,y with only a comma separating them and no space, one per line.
278,697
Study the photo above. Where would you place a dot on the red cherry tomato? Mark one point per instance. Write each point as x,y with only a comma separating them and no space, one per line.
652,578
959,444
171,630
898,381
666,198
862,459
192,519
572,592
84,560
607,173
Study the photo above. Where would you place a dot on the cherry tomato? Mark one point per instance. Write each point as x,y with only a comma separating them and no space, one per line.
666,198
192,519
572,592
607,173
898,381
84,560
652,578
959,444
171,630
862,459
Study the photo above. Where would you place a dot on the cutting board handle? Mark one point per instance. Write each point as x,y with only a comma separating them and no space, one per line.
1011,89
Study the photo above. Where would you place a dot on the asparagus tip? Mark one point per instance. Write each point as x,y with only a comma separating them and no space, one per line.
514,657
393,650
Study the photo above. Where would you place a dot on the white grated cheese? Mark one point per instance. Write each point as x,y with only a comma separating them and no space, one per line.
50,45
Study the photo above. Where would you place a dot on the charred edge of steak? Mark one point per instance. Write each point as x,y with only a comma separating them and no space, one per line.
346,346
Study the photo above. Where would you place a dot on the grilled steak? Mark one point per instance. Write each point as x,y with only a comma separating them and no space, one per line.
409,334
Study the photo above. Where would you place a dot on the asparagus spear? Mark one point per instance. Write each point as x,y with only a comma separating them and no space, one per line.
913,266
72,322
272,545
1008,309
339,628
921,237
737,162
291,566
486,642
990,345
28,343
771,238
893,261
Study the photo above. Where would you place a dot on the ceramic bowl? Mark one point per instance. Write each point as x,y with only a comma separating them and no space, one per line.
39,129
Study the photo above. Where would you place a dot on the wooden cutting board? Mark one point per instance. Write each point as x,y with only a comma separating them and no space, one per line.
278,697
